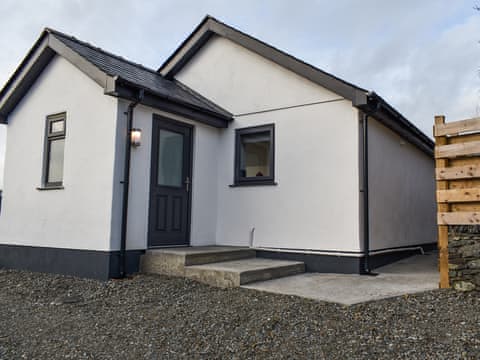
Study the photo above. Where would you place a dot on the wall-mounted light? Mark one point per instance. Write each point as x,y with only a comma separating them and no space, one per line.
136,137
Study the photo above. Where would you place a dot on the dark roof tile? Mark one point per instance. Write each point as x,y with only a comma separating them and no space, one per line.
137,74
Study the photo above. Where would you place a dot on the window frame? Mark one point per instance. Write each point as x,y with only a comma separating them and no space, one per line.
261,180
49,138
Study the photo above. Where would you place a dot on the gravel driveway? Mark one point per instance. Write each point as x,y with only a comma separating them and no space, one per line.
156,317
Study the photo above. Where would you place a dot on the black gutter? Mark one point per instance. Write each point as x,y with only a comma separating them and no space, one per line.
227,116
394,120
128,91
125,182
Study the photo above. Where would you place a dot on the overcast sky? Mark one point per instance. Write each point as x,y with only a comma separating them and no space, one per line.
421,56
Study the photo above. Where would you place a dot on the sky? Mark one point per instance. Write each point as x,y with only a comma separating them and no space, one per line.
423,57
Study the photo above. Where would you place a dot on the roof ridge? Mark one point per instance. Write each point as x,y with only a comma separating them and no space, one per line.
96,48
212,18
285,53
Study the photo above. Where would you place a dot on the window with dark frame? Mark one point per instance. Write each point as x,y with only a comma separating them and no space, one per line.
54,150
254,155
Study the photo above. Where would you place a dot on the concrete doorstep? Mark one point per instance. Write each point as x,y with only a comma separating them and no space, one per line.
220,266
240,272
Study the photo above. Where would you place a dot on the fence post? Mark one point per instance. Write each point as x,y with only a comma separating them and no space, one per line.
442,207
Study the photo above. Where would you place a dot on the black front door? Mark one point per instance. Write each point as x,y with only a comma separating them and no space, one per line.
170,183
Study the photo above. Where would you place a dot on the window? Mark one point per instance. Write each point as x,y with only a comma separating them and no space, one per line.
54,148
254,155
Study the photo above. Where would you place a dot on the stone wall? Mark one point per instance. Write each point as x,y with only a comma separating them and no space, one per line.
464,257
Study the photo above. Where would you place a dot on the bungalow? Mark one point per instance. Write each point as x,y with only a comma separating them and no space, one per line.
231,142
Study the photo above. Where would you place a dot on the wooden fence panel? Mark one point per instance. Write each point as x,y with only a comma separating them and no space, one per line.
457,127
459,218
457,175
458,195
458,150
458,172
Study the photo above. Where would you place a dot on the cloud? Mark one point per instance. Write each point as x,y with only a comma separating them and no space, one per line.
438,76
421,56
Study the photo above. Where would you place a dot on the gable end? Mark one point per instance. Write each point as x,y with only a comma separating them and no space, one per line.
117,76
43,51
210,26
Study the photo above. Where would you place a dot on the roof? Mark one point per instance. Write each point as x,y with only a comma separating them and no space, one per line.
136,74
366,101
119,76
125,79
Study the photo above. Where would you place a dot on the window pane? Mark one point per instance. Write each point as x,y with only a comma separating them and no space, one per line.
255,154
55,163
170,158
57,126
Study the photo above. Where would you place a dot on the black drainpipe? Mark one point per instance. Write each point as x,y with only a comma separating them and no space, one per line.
366,217
125,182
372,107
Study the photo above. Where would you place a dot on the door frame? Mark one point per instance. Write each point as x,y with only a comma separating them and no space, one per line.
156,118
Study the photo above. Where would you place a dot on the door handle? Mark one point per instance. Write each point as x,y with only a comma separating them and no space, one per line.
187,184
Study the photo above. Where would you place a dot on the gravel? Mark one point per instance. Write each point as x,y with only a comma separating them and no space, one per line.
45,316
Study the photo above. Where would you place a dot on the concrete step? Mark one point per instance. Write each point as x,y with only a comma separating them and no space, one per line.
172,261
240,272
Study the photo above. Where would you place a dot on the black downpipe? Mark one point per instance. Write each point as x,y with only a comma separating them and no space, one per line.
366,217
125,182
372,107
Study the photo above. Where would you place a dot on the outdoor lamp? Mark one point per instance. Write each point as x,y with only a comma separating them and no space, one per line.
136,137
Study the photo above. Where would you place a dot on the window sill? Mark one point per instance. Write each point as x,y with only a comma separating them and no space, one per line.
52,187
254,183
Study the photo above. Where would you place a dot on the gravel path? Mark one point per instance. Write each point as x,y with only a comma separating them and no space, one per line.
155,317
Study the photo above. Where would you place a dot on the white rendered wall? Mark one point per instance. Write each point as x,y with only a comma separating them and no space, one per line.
78,216
204,179
401,191
242,81
315,205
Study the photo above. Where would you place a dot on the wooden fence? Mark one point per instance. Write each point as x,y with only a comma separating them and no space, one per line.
457,162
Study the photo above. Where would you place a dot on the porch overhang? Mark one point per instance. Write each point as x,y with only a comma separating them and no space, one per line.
121,88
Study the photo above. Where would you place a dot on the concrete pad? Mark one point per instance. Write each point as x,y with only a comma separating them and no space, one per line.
415,274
